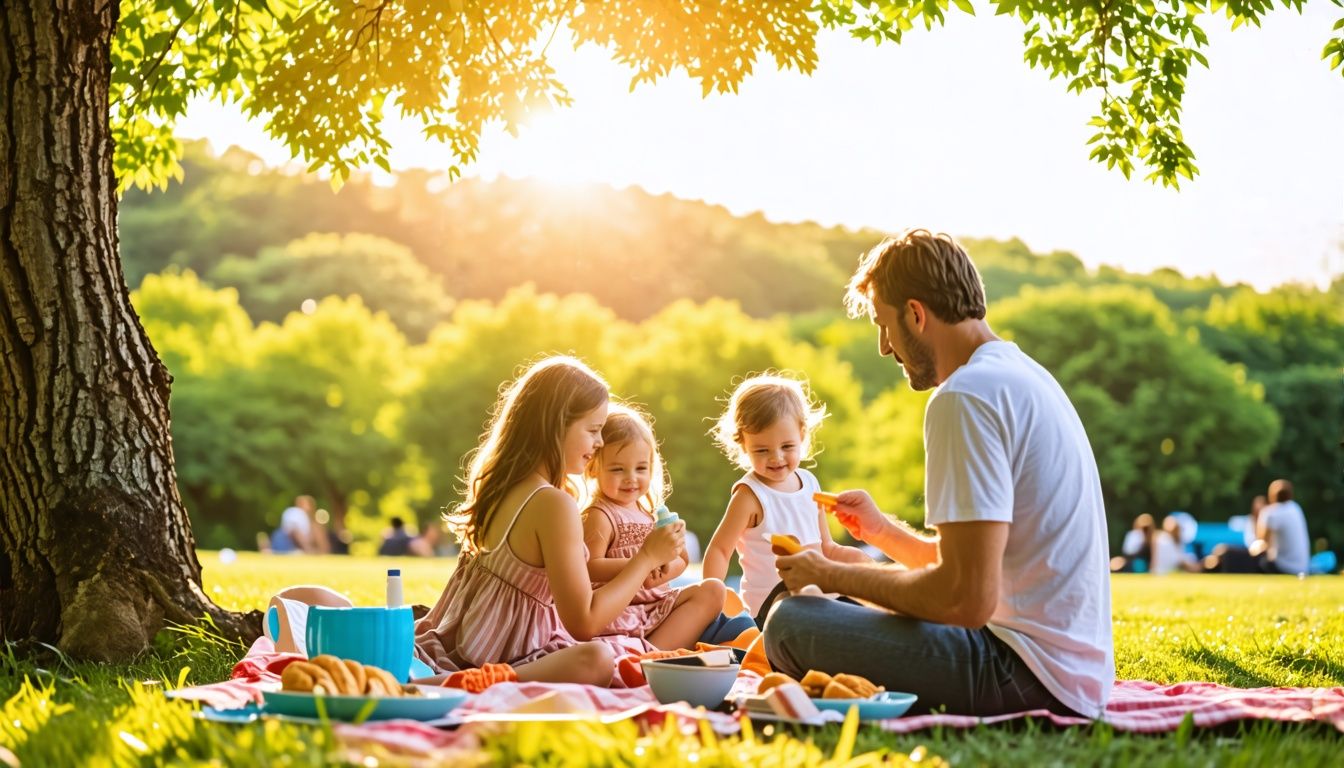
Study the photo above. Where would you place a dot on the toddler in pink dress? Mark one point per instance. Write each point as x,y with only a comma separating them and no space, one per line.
629,483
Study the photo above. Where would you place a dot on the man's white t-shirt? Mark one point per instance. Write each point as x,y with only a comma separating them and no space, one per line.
1004,444
1290,546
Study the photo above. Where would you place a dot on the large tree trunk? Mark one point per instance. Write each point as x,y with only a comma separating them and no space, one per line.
97,549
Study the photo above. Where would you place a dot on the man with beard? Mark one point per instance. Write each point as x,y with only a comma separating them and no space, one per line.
1007,606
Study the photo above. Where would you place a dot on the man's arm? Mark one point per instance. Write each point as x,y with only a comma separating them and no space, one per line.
858,513
904,545
961,588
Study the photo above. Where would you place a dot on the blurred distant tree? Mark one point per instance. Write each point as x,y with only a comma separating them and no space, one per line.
1310,450
1292,341
311,406
1172,426
234,204
383,274
1290,325
888,449
196,329
330,385
465,362
206,340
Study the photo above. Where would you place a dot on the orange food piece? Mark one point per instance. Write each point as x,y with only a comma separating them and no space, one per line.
785,544
827,500
632,674
477,680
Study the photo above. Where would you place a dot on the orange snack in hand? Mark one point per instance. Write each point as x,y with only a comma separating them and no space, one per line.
784,544
826,500
477,680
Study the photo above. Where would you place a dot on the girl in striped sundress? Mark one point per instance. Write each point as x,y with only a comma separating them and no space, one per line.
521,594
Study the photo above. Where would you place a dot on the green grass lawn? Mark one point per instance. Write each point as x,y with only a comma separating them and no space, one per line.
1236,630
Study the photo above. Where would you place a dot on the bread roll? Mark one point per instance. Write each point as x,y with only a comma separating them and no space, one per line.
860,685
773,679
838,690
815,682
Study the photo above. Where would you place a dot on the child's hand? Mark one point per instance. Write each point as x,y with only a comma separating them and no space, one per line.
658,576
664,543
857,511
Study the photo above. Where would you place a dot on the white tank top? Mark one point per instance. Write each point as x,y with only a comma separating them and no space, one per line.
782,512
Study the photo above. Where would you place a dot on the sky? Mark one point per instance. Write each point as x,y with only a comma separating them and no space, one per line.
952,131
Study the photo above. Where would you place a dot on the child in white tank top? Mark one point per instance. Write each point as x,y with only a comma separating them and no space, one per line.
767,430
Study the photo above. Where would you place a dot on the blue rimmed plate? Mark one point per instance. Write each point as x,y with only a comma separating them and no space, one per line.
882,706
432,703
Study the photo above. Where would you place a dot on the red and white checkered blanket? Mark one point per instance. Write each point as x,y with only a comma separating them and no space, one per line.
1135,705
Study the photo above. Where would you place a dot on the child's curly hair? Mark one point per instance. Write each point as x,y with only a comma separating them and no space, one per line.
760,401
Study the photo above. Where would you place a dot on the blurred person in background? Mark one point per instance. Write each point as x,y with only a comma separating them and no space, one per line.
1136,551
1284,545
396,541
295,534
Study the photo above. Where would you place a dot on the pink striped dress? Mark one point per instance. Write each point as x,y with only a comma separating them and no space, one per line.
630,526
497,608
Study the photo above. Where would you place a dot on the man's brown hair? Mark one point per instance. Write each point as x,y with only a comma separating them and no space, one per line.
919,265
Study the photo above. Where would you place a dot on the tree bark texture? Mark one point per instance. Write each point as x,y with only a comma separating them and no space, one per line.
96,551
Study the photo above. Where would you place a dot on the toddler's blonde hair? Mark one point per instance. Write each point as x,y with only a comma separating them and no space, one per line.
626,422
760,401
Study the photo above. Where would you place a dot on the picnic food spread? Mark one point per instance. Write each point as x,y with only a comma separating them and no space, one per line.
340,677
820,685
785,544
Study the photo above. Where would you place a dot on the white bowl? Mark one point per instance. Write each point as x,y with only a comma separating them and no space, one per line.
697,686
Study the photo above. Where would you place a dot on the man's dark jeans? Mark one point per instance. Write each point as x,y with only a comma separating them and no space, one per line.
953,669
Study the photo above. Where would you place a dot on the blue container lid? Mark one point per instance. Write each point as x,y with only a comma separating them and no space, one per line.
393,571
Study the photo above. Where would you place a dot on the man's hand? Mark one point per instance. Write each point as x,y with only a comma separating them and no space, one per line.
857,511
806,567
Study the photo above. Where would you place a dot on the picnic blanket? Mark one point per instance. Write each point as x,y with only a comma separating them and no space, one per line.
1139,706
1135,706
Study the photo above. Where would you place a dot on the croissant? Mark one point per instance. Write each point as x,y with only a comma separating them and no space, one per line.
340,677
304,676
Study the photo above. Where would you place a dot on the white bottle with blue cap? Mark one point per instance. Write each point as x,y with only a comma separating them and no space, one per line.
664,516
394,588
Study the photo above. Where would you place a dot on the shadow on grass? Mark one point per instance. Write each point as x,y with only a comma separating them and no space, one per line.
1230,672
1310,665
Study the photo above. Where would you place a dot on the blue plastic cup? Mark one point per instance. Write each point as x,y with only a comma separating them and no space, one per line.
380,637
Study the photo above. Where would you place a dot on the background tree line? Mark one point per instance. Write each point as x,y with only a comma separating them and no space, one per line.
423,297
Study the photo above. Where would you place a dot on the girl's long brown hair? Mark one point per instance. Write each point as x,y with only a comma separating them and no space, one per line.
527,430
